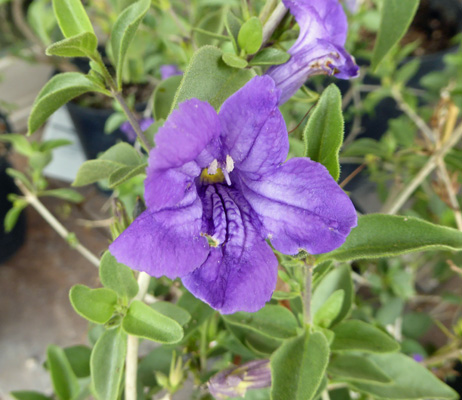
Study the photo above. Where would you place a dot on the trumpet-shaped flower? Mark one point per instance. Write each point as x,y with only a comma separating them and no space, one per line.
217,186
319,48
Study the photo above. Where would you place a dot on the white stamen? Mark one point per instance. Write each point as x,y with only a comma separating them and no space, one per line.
229,163
226,175
213,167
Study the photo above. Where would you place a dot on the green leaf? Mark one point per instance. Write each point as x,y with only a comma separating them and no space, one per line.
79,359
29,395
92,171
164,95
330,309
72,18
270,56
107,364
122,153
143,321
234,61
117,276
123,32
337,279
53,144
272,320
173,311
123,174
324,131
82,45
211,22
233,26
64,381
209,79
396,17
250,36
351,367
298,367
410,380
12,216
14,173
96,305
19,142
379,235
199,311
64,194
57,92
360,336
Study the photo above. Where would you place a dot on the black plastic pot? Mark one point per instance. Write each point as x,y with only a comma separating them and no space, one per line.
89,125
9,242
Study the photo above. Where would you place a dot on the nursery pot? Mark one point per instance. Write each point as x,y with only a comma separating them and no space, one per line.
9,242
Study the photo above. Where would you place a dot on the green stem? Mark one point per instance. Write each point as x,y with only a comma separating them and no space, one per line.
307,295
211,34
273,21
269,6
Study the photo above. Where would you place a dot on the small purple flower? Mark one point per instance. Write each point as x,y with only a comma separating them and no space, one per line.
166,71
319,48
217,186
418,357
234,381
130,133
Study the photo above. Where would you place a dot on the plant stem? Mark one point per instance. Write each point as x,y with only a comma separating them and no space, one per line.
131,362
307,297
267,9
33,200
395,205
451,193
273,21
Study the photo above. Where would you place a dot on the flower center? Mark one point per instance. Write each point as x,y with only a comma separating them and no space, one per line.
218,172
216,177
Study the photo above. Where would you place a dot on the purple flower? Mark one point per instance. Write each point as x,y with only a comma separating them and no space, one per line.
166,71
319,47
234,381
418,357
130,133
217,186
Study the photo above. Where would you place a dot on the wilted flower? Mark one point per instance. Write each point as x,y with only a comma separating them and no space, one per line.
319,48
168,70
217,186
130,133
234,381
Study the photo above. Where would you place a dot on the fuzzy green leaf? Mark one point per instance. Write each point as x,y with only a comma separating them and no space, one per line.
234,61
82,45
64,381
357,335
396,17
350,367
28,395
143,321
250,36
270,56
208,78
64,194
379,235
173,311
123,32
324,131
298,367
107,364
72,18
96,305
57,92
330,309
123,174
117,276
164,95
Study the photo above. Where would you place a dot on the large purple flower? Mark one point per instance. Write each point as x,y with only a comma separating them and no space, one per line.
217,186
319,48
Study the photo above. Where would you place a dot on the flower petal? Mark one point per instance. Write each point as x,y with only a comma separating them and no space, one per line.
239,275
319,48
254,133
301,207
164,243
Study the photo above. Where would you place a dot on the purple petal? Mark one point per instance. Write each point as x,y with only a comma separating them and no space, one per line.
239,275
319,48
164,243
186,143
130,133
301,207
169,70
254,133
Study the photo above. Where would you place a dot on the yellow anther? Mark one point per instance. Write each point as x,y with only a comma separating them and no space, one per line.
218,177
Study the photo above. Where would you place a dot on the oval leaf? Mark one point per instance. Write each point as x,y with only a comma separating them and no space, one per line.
379,235
143,321
117,276
410,380
28,395
270,56
72,18
396,17
82,45
324,131
209,79
123,32
107,364
173,311
64,381
164,95
250,36
234,61
359,336
330,309
272,321
298,367
96,305
356,368
57,92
